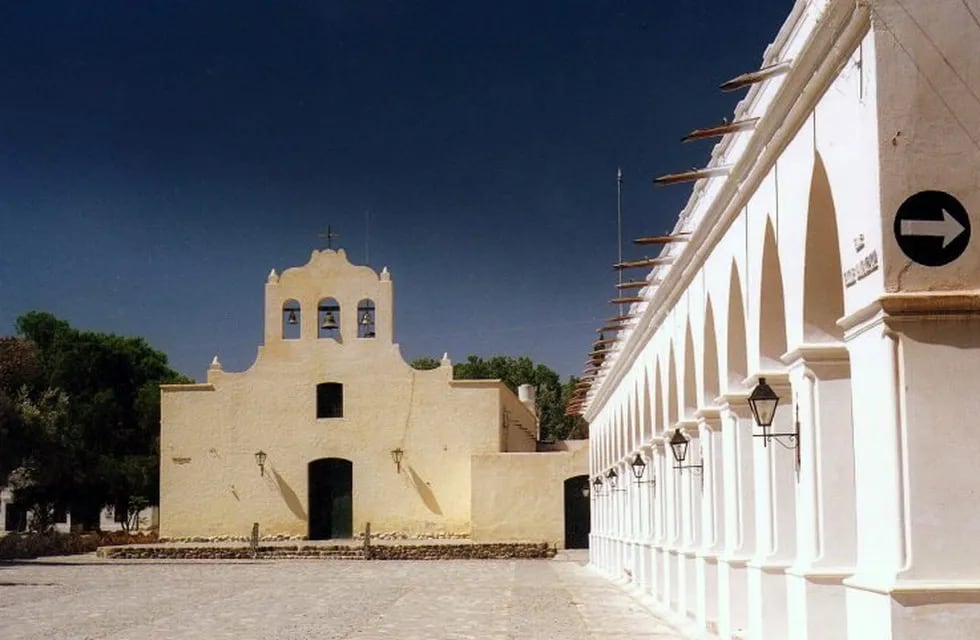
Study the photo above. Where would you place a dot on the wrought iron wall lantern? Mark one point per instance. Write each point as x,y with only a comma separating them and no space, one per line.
763,402
678,446
260,457
396,457
639,467
597,487
612,477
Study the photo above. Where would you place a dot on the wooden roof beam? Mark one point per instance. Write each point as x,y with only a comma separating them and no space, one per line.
667,239
612,327
645,262
633,284
691,176
754,77
627,300
720,130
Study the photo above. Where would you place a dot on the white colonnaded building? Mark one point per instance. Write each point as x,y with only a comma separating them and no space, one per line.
825,259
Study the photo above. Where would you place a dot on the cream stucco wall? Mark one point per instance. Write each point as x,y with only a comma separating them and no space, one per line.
520,496
210,482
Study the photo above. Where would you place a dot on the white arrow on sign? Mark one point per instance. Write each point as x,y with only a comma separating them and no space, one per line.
949,228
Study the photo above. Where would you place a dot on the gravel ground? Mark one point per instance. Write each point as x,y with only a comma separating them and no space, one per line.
81,597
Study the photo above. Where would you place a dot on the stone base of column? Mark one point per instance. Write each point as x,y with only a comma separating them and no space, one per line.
688,605
706,565
912,609
662,592
733,602
767,601
676,562
816,604
648,568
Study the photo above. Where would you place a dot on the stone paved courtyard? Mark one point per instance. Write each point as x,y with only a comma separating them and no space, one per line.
82,597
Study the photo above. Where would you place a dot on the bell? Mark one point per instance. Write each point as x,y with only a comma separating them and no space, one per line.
291,319
329,322
366,319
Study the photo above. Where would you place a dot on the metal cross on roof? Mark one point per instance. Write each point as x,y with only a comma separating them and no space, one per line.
329,236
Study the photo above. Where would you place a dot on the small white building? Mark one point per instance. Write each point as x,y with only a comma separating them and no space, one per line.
828,250
15,518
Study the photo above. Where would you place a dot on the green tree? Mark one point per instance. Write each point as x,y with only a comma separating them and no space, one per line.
20,368
424,363
551,395
106,439
49,447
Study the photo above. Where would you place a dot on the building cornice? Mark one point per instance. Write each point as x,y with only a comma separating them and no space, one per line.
834,37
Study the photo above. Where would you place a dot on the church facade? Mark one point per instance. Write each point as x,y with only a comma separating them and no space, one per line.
824,259
330,429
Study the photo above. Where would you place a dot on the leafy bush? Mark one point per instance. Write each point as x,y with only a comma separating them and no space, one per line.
15,546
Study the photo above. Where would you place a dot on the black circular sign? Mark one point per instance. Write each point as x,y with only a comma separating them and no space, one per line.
932,228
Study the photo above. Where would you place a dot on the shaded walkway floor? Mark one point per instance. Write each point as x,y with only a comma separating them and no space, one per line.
82,597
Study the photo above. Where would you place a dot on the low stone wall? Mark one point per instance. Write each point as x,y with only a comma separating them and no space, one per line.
488,551
281,552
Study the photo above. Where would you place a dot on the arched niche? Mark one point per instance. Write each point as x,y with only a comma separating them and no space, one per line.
691,399
648,422
772,314
658,400
712,384
292,320
637,415
737,354
366,318
328,319
673,416
823,290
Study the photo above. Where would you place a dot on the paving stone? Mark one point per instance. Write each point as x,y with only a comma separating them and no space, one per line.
85,598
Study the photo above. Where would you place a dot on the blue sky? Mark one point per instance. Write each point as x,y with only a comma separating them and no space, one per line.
157,158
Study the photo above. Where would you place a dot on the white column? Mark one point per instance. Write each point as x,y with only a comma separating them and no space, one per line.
646,519
657,493
671,539
712,519
690,512
825,509
775,520
739,515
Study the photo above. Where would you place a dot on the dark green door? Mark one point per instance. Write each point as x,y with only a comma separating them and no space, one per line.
330,490
577,513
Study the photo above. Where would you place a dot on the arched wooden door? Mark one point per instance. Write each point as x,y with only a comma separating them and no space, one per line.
330,495
577,512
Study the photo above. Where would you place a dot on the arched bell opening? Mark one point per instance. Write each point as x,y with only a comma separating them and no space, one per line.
328,319
366,318
292,316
